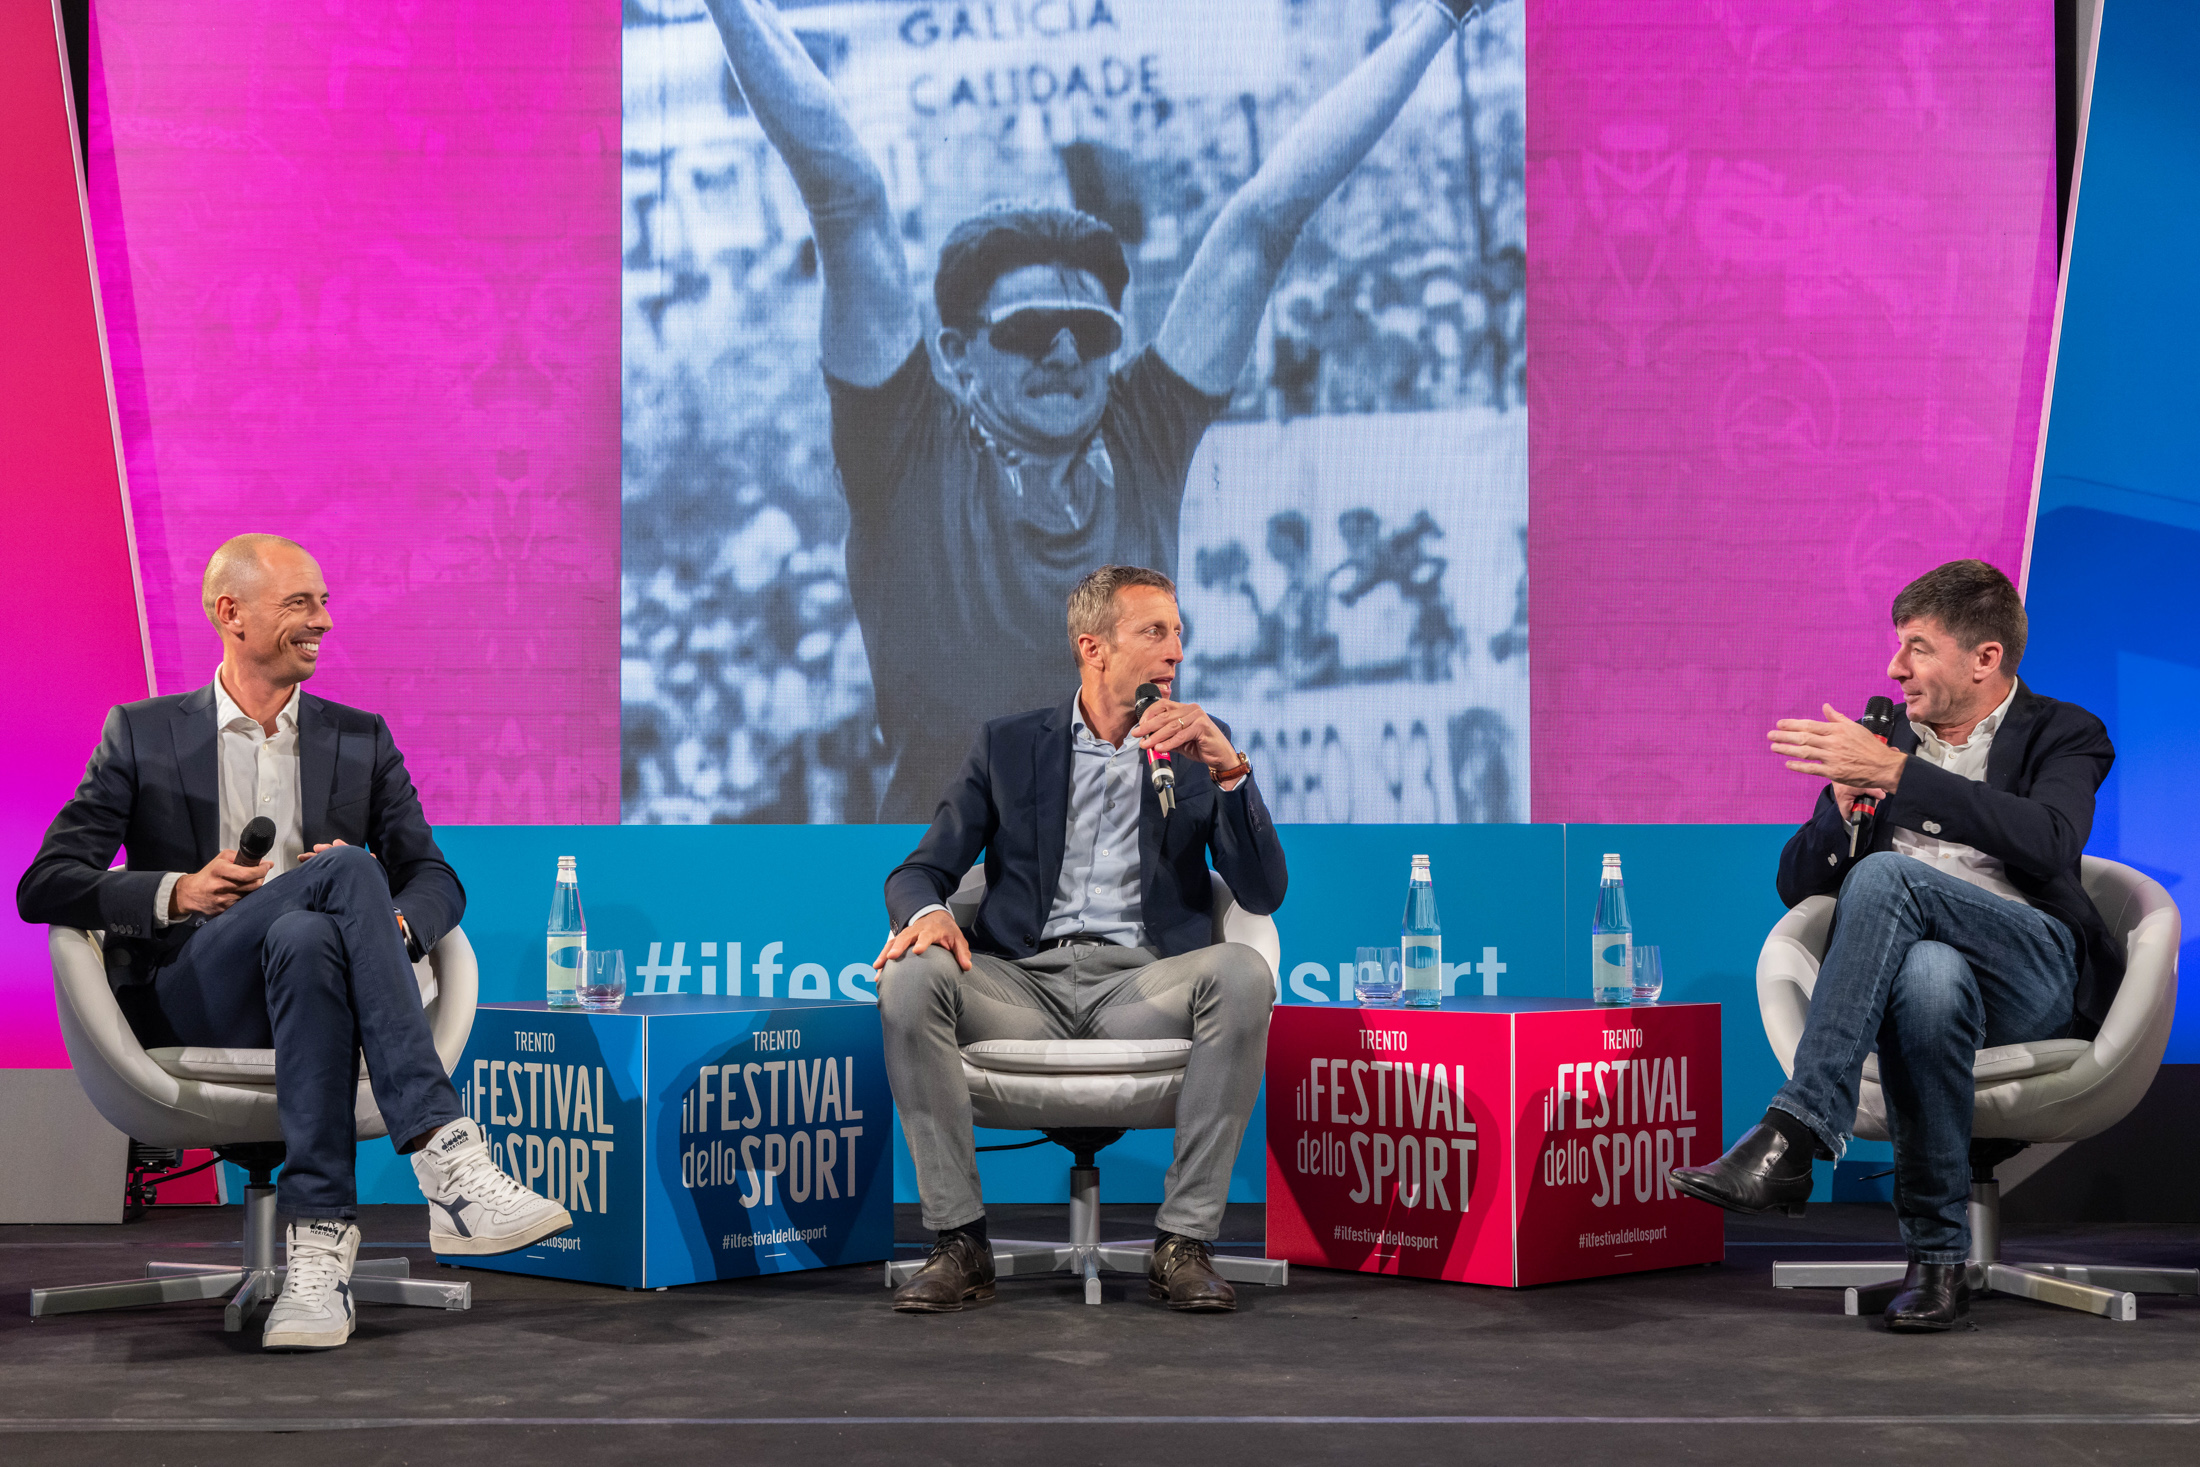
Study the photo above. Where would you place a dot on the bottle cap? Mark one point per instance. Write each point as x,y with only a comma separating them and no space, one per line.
1420,860
565,863
1611,858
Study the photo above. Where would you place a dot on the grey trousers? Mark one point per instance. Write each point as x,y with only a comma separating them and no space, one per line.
1218,997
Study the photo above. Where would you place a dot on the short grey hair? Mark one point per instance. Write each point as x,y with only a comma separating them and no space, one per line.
235,568
1092,605
1974,601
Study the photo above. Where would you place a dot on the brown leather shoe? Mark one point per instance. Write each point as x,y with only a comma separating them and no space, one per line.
960,1268
1183,1272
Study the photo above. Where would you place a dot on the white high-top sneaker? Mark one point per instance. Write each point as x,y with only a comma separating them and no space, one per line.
315,1311
472,1206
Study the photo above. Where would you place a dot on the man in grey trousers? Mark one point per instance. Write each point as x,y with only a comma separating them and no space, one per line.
1095,925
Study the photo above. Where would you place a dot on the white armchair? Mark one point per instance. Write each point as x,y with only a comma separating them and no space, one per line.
1083,1094
225,1099
2049,1090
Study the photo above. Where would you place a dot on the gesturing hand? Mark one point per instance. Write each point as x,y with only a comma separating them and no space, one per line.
933,928
215,887
1841,750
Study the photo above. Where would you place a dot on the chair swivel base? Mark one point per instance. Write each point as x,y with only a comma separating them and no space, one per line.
2110,1291
257,1279
1085,1255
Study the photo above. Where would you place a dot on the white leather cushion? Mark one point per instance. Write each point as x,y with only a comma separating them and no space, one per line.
193,1062
2007,1062
1078,1056
1007,1101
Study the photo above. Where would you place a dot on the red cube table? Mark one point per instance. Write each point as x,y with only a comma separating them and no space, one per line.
1493,1140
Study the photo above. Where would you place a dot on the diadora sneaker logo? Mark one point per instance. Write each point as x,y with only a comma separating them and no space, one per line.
454,1138
326,1227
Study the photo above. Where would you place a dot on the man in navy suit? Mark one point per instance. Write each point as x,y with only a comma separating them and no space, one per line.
1095,925
1963,926
308,950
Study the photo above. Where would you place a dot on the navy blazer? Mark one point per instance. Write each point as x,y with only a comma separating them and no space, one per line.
1011,801
2033,813
153,786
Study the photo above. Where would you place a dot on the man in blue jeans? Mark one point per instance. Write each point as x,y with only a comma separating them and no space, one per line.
1962,924
308,950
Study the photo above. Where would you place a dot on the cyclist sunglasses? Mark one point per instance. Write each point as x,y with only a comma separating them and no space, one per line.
1030,329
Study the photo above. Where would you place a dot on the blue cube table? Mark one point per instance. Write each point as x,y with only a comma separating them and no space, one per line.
691,1137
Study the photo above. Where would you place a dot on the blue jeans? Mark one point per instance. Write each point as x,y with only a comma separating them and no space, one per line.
313,966
1931,969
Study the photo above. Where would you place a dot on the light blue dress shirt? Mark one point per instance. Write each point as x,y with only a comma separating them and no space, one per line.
1099,889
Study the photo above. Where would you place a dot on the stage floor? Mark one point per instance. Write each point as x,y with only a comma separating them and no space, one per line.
1697,1364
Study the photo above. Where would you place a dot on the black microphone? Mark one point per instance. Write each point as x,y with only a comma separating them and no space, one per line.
1158,768
1878,721
253,841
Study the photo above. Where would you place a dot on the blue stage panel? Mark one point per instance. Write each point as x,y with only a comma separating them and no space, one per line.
2110,591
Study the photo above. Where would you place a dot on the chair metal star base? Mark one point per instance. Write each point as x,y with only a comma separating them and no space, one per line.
2110,1291
1084,1254
258,1277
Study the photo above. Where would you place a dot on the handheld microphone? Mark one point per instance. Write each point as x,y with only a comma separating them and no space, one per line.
1878,721
1158,768
254,840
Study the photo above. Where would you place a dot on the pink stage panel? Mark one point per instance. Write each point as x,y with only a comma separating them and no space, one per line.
1791,279
1561,1121
77,647
361,272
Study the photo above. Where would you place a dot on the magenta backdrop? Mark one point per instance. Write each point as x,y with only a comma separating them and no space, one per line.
1791,280
361,271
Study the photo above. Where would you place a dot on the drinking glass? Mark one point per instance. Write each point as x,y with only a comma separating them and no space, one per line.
603,981
1378,977
1649,975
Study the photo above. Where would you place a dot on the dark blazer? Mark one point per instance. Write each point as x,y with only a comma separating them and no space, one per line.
1011,801
153,787
2033,812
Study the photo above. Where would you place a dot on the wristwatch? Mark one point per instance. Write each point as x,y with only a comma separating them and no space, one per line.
1224,776
413,949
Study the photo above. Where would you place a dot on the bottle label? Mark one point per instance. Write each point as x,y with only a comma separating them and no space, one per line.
1424,966
565,961
1612,963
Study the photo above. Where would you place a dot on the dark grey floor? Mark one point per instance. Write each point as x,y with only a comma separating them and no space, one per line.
1692,1364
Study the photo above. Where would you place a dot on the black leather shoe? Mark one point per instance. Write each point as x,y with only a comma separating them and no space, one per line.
1760,1172
1183,1273
1934,1296
960,1268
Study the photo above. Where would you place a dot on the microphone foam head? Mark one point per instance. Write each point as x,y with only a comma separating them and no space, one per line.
254,841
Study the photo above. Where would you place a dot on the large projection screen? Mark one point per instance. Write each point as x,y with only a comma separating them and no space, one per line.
803,643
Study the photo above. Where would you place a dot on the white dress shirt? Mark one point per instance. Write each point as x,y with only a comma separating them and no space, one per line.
1098,892
258,775
1966,863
